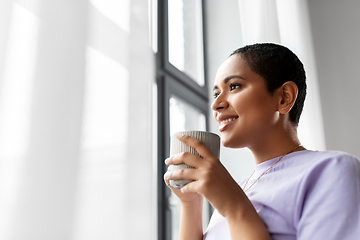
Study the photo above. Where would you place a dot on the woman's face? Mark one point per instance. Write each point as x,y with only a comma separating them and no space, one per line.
245,110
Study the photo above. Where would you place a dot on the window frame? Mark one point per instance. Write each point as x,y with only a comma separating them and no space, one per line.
163,51
173,82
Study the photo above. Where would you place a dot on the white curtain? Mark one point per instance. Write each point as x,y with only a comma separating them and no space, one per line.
75,120
287,22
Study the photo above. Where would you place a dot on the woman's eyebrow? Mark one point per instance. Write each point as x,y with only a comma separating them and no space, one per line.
228,78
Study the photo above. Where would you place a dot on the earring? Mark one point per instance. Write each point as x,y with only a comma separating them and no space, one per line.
284,108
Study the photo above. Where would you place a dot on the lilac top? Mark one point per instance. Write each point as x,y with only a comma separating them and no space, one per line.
307,195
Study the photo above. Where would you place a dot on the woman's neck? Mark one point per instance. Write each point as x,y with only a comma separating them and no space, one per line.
277,144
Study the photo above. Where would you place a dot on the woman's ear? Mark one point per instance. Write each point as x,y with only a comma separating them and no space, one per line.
288,94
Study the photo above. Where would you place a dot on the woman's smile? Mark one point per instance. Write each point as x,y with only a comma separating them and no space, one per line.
225,123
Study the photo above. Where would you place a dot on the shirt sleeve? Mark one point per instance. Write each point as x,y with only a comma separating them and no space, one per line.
329,200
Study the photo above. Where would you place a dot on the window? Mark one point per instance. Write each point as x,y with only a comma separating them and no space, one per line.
182,93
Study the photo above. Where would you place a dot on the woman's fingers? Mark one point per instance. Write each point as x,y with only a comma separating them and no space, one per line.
184,173
191,159
184,157
207,168
200,147
191,187
211,179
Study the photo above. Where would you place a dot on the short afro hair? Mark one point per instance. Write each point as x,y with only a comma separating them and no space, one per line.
277,65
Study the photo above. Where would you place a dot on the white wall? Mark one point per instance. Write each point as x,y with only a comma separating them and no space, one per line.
336,39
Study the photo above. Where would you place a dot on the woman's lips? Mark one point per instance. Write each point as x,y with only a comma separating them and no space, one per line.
225,123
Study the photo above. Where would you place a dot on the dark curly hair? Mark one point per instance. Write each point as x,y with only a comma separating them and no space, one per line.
277,65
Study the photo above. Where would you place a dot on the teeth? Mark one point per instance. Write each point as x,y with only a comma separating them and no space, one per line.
227,120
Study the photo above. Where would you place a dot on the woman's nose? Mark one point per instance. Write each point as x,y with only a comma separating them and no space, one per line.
219,103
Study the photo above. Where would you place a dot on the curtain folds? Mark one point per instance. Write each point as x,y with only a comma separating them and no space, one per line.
75,120
287,22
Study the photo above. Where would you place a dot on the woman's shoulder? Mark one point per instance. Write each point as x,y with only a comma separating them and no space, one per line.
313,163
329,163
330,181
311,157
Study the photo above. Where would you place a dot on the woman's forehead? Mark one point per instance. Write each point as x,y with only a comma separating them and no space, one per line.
233,65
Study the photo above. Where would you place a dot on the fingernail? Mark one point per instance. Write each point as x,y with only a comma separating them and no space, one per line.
167,175
167,160
180,135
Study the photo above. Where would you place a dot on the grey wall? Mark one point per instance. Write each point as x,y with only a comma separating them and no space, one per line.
336,36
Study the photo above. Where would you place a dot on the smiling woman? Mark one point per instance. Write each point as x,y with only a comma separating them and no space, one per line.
251,103
254,94
293,193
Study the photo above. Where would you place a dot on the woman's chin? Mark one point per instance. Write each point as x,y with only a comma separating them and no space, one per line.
231,142
227,143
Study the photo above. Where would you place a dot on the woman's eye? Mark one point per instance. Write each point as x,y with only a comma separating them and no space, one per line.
234,86
216,94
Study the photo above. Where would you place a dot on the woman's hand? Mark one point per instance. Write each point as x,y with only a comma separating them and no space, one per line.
211,179
185,198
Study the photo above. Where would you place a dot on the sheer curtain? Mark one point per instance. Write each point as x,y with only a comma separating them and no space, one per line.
75,120
287,22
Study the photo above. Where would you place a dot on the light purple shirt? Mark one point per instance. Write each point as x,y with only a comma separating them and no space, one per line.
307,195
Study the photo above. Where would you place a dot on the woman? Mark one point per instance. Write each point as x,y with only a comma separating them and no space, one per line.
293,193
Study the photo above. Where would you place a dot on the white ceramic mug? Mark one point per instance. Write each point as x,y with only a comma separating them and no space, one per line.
211,140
